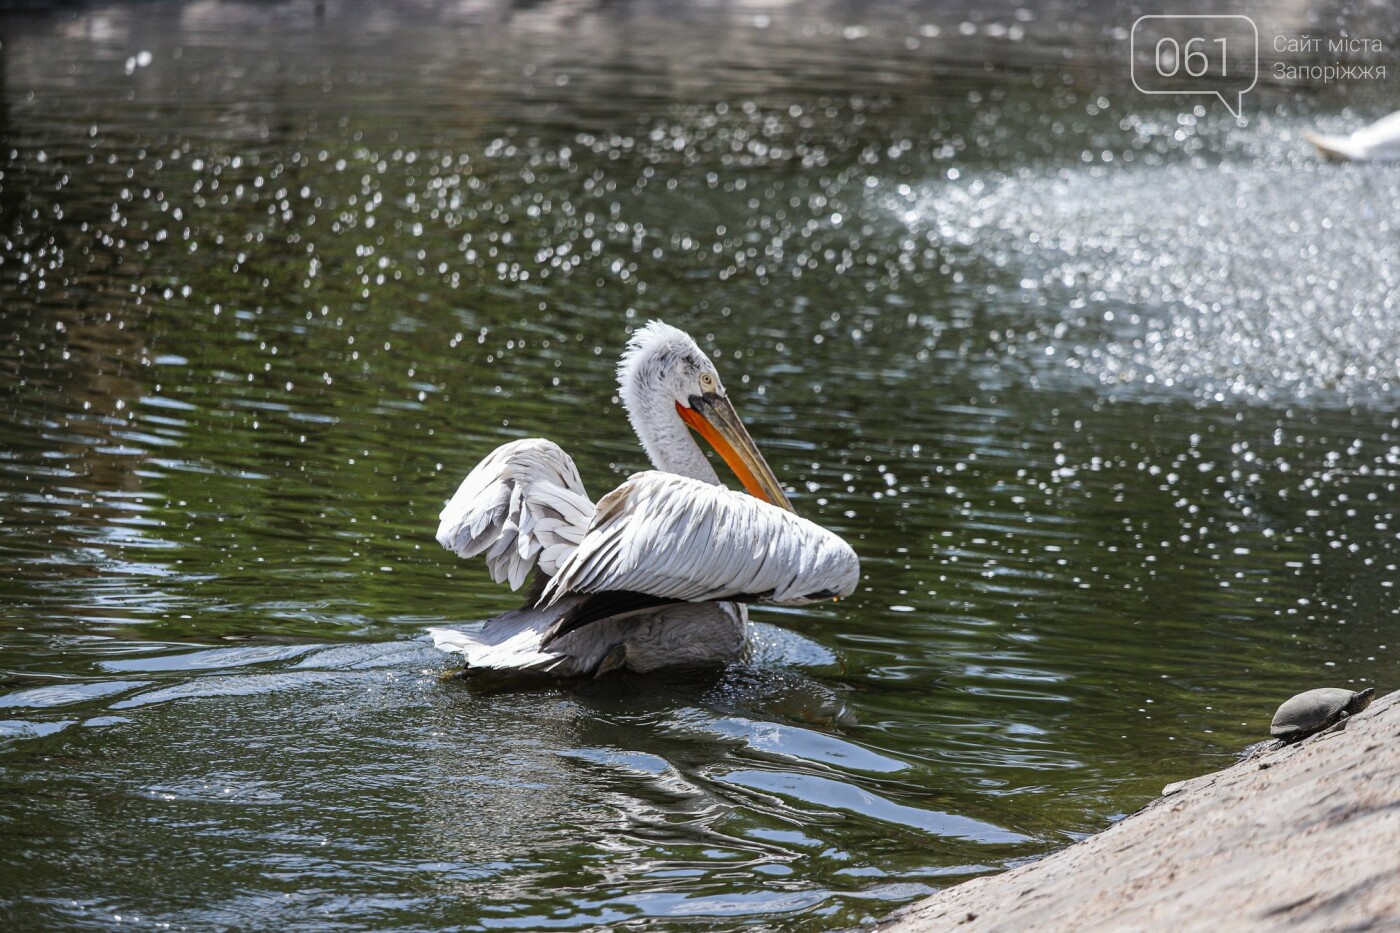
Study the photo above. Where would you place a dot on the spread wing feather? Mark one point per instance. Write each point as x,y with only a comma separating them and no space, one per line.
524,505
675,538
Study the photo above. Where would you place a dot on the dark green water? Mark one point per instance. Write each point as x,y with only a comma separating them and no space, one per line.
1102,388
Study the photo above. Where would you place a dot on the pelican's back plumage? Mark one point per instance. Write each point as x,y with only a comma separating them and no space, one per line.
677,538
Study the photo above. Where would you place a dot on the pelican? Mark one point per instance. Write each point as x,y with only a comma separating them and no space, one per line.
659,571
1379,142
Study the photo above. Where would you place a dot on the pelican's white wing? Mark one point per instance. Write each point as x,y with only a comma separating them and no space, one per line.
674,538
523,505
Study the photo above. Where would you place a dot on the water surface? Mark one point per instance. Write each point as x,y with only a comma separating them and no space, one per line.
1101,387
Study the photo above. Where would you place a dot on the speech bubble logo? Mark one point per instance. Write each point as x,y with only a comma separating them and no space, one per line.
1215,54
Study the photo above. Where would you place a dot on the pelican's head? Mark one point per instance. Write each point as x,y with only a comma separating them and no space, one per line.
665,376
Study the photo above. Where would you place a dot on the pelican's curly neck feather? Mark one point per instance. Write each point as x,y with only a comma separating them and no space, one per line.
654,374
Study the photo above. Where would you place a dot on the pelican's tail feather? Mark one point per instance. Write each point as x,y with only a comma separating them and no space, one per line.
515,642
514,645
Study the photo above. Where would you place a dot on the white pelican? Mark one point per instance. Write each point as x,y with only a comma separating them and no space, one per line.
658,572
1379,142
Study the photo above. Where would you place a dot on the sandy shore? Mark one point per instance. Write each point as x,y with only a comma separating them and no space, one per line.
1305,837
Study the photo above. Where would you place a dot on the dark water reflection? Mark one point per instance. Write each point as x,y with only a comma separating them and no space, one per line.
1103,392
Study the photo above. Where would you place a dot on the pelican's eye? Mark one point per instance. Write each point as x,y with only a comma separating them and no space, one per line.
707,382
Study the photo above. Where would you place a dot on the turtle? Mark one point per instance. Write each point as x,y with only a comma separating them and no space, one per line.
1310,712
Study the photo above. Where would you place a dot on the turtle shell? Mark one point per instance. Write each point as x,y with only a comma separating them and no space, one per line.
1315,710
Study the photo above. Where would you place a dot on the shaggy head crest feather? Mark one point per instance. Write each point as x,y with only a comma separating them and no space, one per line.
661,360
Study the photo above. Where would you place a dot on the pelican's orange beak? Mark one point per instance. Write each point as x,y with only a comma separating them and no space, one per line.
718,423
